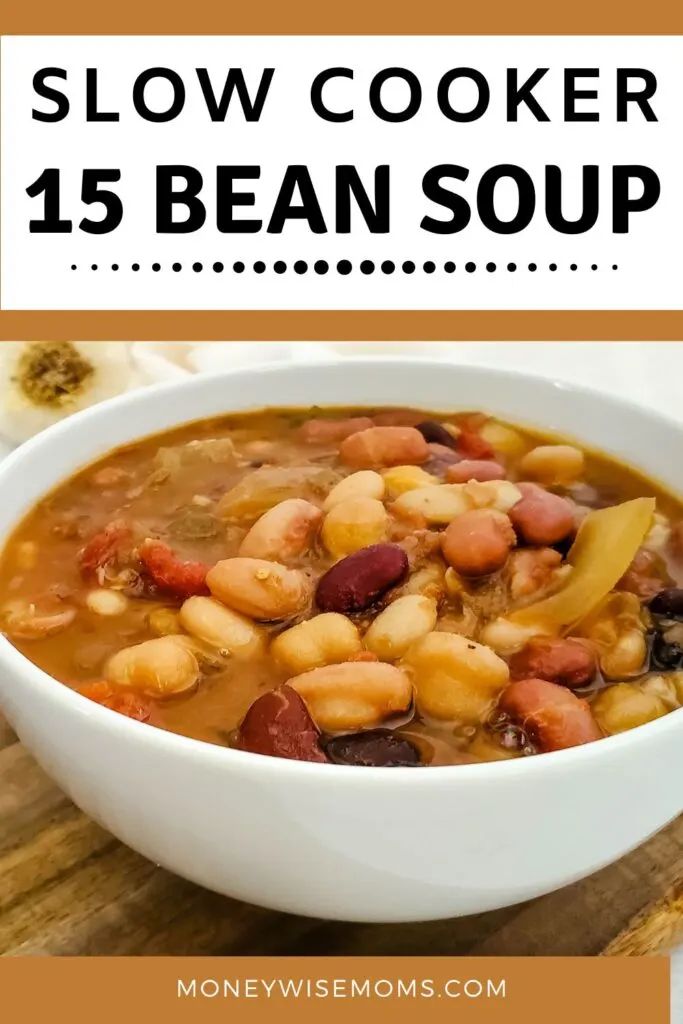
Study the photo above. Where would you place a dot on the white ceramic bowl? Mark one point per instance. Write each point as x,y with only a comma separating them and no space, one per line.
363,844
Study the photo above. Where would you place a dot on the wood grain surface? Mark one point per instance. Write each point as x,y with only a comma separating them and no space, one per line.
69,888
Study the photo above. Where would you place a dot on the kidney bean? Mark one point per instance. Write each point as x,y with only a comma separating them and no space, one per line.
477,543
541,517
472,445
474,469
569,662
551,715
170,573
278,724
436,432
376,748
384,446
322,431
668,603
356,581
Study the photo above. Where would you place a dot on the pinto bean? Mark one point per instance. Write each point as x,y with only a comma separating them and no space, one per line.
322,431
283,532
570,662
474,469
478,543
358,580
354,695
384,446
552,716
259,588
278,724
541,517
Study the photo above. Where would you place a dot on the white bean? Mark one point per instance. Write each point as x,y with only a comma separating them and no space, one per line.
355,695
106,602
438,503
161,667
366,483
401,624
455,678
323,640
222,628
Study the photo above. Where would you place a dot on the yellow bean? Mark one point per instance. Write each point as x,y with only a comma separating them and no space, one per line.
258,588
455,678
407,478
552,464
355,695
401,624
366,483
323,640
505,440
624,706
160,667
222,628
283,532
353,524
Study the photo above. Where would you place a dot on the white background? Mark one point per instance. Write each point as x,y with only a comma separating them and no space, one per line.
36,269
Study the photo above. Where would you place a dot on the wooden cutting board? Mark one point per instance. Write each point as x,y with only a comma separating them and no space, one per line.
67,887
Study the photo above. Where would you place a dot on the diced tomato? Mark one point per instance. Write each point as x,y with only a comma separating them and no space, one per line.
104,546
132,705
170,573
472,445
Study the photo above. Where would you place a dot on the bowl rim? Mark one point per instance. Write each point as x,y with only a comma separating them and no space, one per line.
72,702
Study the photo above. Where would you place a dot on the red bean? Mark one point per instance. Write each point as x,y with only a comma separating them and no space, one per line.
384,446
356,581
436,433
474,469
552,716
477,543
472,445
541,517
322,431
279,724
569,662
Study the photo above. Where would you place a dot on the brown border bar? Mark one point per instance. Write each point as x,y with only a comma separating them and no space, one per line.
354,17
341,325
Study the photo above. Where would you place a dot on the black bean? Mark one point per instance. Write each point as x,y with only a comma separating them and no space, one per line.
665,655
669,603
377,748
434,432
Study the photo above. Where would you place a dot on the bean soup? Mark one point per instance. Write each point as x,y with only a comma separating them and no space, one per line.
364,587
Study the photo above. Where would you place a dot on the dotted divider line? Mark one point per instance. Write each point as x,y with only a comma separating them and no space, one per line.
345,267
